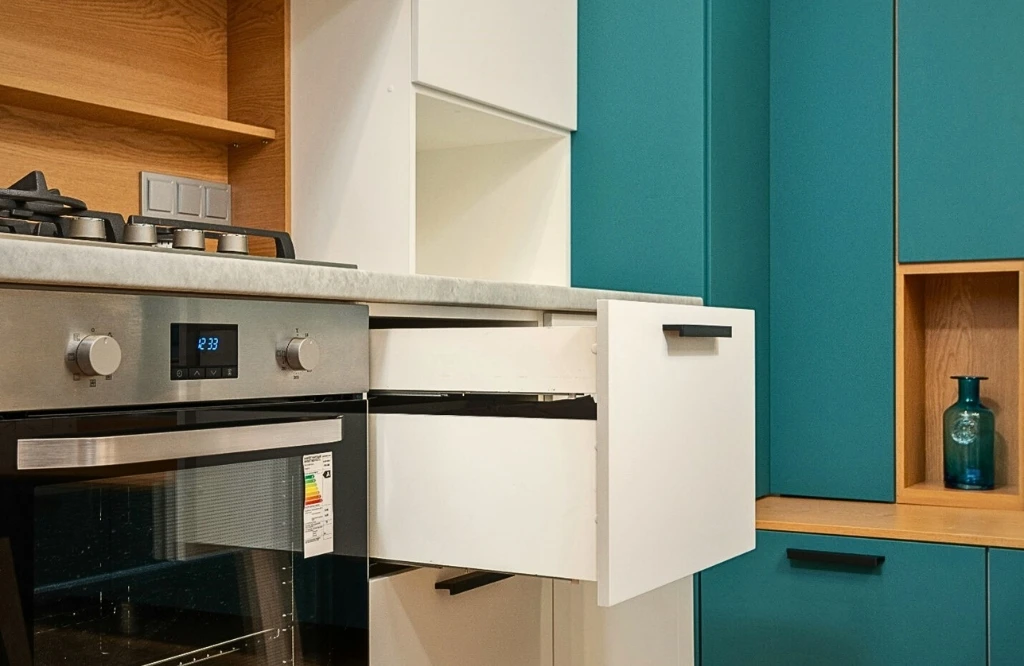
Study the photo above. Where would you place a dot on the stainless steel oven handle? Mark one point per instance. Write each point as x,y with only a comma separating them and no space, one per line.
83,452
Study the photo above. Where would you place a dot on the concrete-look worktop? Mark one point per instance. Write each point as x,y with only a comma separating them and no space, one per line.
49,262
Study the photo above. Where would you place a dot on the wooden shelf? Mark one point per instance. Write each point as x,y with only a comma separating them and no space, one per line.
934,493
902,522
957,319
67,101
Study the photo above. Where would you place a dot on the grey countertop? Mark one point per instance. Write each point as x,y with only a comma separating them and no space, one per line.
26,260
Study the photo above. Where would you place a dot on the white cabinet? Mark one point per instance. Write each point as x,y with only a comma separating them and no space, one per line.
519,56
654,629
465,174
503,624
659,487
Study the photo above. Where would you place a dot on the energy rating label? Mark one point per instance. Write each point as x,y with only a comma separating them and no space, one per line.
317,504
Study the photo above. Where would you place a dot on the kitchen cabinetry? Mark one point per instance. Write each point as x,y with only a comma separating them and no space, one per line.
660,487
428,138
654,629
651,210
517,56
1006,606
832,249
924,604
738,180
638,155
508,623
961,125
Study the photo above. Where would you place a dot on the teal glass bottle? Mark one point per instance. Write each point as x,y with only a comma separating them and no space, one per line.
969,433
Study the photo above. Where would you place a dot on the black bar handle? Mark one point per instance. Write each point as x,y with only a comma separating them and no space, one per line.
698,330
842,559
470,581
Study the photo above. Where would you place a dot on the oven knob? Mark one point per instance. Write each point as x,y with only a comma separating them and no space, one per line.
98,355
302,354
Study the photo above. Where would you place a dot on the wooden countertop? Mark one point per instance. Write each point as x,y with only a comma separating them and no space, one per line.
902,522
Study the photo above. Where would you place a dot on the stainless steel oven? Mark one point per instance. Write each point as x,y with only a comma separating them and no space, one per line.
182,481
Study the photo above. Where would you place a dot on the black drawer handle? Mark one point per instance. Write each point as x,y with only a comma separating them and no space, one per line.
842,559
698,330
470,581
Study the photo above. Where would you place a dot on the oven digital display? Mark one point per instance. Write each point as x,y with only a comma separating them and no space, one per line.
204,351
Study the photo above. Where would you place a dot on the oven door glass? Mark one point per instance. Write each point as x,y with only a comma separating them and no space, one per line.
227,559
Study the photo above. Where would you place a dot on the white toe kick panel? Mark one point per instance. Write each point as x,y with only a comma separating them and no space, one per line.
659,487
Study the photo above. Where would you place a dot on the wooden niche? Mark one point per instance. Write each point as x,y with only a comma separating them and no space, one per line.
93,92
957,319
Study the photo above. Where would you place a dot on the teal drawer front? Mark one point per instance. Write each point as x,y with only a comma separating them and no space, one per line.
961,129
638,155
832,256
924,605
1006,607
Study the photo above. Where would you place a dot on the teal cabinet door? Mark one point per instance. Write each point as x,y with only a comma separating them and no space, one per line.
925,604
737,180
961,129
638,153
1006,607
832,257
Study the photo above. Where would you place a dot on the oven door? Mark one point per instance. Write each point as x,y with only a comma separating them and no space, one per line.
229,535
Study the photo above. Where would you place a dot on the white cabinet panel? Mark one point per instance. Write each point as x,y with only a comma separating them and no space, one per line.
654,629
675,464
484,360
352,123
519,56
500,494
504,624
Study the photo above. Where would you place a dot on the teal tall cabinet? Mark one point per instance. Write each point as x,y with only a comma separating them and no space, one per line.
961,122
832,257
638,155
737,180
670,161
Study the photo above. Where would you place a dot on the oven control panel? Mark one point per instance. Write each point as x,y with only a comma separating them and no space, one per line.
92,349
204,351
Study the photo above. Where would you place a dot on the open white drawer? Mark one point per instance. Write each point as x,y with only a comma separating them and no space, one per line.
661,486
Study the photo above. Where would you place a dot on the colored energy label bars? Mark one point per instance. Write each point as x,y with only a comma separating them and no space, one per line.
313,495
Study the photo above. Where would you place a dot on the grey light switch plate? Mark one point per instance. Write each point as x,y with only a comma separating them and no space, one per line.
185,199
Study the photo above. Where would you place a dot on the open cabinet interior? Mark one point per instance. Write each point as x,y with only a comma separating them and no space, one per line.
957,319
93,93
492,194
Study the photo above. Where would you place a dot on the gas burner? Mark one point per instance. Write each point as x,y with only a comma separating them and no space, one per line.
30,208
29,197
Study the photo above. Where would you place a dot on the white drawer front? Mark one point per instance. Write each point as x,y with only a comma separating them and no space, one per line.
504,624
500,494
484,360
675,465
519,56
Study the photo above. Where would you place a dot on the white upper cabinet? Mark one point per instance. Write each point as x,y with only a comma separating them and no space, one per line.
659,487
519,55
432,136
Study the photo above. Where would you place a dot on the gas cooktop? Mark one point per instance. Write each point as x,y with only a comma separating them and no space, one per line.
29,207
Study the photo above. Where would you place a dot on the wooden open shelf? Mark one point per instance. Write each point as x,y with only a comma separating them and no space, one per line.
957,319
97,91
67,101
902,522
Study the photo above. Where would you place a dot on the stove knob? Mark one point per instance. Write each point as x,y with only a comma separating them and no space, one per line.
302,354
98,355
